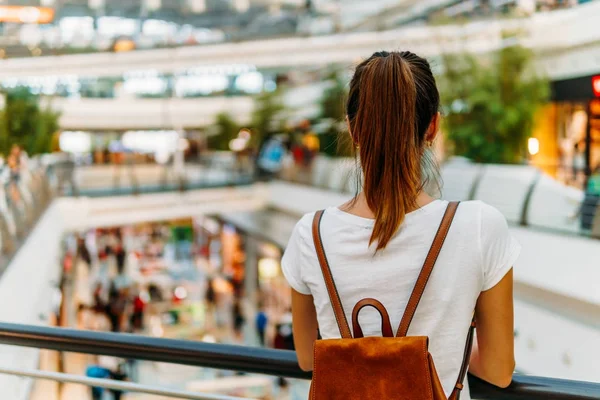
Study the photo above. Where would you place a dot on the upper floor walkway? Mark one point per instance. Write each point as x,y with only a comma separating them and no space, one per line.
561,55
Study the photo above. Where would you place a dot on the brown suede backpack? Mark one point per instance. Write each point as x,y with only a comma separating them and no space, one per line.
380,368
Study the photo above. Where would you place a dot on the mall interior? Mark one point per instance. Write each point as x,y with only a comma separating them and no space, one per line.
157,154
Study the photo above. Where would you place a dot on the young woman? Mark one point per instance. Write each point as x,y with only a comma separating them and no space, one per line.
376,244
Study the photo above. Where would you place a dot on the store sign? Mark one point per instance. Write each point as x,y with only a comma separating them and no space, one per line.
596,85
26,15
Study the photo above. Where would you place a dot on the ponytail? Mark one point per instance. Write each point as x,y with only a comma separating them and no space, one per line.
385,126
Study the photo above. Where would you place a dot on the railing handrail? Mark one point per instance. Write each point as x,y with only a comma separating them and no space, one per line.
114,384
251,359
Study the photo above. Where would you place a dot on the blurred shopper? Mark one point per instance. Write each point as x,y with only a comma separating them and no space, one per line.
117,304
311,145
97,372
262,320
284,338
103,265
374,244
120,257
137,316
238,321
82,252
99,301
118,375
270,157
578,162
15,177
589,206
210,299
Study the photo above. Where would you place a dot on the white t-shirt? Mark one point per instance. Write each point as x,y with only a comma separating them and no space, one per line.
476,255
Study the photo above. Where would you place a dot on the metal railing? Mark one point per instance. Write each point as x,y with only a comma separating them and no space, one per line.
250,360
128,178
22,202
566,215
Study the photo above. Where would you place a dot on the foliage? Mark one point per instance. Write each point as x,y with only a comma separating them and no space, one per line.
335,141
490,103
265,116
332,102
23,123
226,129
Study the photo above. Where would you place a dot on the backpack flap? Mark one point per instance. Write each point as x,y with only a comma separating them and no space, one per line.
372,368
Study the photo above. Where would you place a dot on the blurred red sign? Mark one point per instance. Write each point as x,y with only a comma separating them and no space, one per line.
26,15
596,85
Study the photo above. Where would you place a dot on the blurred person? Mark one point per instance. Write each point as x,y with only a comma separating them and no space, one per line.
99,302
120,257
591,200
284,338
117,305
15,177
210,300
97,372
238,321
118,375
262,321
83,253
155,293
376,242
593,189
284,335
84,317
137,316
270,157
311,144
578,161
103,265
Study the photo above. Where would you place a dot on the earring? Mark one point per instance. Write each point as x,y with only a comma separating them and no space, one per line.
429,143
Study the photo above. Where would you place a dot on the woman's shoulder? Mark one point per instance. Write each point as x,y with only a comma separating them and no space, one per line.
303,228
479,210
482,219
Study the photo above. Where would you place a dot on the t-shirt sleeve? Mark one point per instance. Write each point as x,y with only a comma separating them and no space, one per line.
499,249
294,257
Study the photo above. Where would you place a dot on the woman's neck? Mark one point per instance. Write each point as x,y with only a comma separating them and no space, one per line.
359,207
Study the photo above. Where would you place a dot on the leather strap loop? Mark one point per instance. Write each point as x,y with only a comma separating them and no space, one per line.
430,260
334,296
465,363
386,326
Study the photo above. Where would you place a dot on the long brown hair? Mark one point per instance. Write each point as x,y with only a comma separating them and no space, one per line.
392,101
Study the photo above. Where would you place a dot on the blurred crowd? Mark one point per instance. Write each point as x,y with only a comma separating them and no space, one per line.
154,280
297,148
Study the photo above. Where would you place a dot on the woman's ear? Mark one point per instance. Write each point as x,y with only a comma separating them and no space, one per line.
434,128
350,131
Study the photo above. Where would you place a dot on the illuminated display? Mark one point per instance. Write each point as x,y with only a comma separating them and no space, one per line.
596,85
26,15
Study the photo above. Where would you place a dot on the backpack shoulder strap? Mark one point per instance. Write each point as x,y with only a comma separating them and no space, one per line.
334,297
430,260
455,395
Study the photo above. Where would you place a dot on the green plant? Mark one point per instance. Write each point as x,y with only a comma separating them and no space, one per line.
226,129
23,123
335,141
332,102
266,116
490,103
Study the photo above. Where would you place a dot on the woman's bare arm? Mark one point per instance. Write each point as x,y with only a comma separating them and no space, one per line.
493,358
305,328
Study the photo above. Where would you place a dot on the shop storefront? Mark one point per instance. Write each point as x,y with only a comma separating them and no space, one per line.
567,133
254,261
